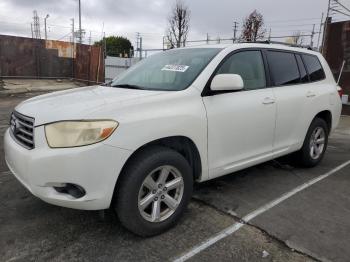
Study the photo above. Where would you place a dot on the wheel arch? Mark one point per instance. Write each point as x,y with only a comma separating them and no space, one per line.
183,145
326,115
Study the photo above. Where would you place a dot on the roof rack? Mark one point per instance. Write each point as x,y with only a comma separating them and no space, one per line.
268,42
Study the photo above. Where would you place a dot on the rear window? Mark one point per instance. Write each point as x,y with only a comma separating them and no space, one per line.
283,67
314,68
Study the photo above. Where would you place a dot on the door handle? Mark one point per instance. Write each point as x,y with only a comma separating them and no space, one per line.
268,101
310,94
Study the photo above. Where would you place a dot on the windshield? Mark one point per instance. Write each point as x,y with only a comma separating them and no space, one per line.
171,70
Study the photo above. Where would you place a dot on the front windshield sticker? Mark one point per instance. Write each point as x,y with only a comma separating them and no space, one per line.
175,68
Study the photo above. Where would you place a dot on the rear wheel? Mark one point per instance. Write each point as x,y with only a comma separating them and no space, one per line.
315,144
154,191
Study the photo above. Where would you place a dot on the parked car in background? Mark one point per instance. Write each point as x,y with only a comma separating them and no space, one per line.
184,115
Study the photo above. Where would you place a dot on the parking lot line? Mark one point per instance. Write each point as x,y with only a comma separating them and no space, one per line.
236,226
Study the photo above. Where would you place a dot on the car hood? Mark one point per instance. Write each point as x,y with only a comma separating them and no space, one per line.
78,103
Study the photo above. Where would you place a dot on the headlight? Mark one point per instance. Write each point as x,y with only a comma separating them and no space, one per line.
78,133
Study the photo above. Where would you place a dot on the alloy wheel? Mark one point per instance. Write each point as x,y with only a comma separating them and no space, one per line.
317,143
160,194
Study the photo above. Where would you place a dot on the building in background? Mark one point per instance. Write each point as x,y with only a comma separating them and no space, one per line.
337,49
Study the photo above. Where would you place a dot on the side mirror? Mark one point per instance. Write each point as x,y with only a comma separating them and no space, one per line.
227,82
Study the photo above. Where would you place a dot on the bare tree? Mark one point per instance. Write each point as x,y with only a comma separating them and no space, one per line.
178,24
297,38
253,27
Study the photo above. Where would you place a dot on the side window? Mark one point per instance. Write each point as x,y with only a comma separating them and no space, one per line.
304,78
283,67
314,68
249,65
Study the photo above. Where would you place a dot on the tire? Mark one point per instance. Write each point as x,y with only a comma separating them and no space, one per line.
133,209
305,157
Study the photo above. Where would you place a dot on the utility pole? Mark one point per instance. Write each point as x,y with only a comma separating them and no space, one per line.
73,33
207,38
73,46
319,32
137,41
235,27
270,35
46,17
312,36
105,44
326,26
140,47
80,32
31,28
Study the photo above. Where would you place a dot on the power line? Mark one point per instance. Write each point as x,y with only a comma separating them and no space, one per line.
291,20
64,36
340,12
15,23
296,25
338,2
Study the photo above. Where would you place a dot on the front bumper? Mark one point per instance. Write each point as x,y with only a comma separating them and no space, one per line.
95,168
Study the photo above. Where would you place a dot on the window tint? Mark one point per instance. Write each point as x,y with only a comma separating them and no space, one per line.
283,67
249,65
314,68
304,78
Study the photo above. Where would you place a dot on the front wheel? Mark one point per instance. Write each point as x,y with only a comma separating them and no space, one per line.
154,191
315,144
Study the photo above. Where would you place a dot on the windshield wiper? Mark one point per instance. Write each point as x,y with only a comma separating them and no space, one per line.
128,86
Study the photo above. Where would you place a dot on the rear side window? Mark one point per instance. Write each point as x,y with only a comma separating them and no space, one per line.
283,67
314,68
304,78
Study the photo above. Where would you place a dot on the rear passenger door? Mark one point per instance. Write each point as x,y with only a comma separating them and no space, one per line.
293,95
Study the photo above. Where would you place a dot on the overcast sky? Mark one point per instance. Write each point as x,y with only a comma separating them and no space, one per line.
149,17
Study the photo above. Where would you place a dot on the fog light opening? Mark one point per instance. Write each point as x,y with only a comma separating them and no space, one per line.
71,189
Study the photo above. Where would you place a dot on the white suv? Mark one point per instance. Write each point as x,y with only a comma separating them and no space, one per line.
192,114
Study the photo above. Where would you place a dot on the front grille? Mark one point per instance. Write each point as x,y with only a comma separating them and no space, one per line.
22,129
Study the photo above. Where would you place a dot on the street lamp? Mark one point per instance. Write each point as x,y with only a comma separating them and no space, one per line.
47,16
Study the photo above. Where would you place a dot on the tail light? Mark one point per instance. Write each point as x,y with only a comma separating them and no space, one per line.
340,91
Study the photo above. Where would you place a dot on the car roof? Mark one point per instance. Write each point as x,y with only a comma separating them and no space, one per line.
236,46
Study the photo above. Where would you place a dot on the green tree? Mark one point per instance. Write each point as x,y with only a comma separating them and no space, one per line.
116,46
